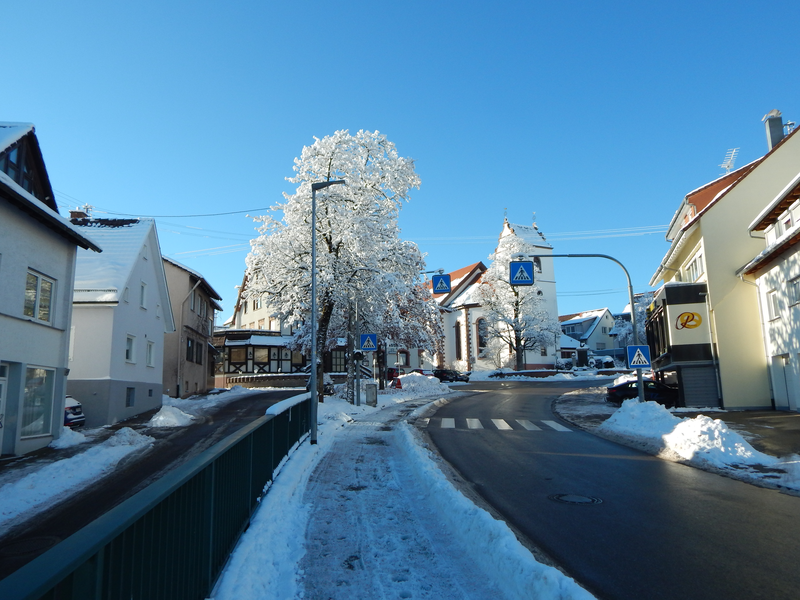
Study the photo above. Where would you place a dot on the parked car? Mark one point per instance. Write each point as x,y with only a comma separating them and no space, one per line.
653,391
73,413
448,375
425,372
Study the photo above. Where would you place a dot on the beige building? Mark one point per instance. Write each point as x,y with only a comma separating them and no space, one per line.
710,242
188,353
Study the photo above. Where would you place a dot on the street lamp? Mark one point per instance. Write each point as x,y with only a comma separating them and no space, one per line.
314,396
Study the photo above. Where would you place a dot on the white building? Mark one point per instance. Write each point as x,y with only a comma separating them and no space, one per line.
121,311
37,266
467,346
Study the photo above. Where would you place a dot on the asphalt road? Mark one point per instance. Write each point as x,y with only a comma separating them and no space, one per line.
173,446
633,526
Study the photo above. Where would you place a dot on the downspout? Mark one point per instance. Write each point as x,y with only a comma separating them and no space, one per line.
468,327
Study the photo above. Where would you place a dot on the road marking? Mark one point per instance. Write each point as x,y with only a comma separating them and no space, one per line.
501,425
474,424
448,423
556,426
528,425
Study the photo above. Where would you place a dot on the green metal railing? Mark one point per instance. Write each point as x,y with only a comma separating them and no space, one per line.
171,540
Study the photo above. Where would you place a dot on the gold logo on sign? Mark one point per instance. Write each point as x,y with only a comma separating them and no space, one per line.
688,320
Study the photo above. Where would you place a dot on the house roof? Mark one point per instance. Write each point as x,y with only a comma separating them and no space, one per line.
460,280
707,196
45,211
582,317
210,291
529,234
779,204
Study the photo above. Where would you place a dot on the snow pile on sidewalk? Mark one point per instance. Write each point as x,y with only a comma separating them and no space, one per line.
198,405
701,441
268,562
63,476
67,439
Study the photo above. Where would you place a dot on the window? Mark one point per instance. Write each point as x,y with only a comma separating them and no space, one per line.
773,306
203,308
604,330
569,329
238,355
794,290
480,325
457,327
130,349
150,354
601,346
257,304
261,323
543,351
198,353
143,295
695,268
130,397
537,264
37,403
190,349
244,307
402,358
125,295
38,297
274,324
193,301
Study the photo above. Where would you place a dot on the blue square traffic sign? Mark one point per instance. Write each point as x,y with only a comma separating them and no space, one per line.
441,284
369,342
639,357
520,272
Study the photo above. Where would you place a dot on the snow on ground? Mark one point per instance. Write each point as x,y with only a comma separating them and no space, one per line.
564,376
170,416
367,513
55,479
699,441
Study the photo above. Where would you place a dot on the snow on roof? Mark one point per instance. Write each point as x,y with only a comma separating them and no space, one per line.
257,339
530,234
582,316
570,342
102,277
48,216
13,132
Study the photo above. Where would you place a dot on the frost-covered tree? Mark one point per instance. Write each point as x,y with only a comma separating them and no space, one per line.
623,328
359,252
515,315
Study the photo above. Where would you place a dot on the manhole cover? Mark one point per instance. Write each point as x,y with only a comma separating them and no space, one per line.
575,499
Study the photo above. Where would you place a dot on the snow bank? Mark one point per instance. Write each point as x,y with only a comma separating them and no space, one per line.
170,416
489,542
702,438
49,482
68,438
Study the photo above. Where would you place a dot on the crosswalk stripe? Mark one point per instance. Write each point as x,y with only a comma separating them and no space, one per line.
474,424
501,424
528,425
556,426
448,423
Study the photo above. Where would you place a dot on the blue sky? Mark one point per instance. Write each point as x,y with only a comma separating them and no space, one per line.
595,116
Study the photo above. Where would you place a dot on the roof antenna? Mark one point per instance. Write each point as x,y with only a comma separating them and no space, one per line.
730,158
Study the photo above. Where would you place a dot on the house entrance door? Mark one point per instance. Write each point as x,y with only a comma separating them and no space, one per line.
3,385
779,388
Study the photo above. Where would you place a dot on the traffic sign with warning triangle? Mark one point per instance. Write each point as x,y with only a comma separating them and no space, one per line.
441,284
521,272
369,342
639,357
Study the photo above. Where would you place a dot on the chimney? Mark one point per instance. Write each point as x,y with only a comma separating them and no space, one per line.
774,124
78,214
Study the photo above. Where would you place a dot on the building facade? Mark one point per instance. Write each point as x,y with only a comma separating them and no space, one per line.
37,269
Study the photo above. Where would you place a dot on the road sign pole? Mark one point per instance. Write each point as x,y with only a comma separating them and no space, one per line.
639,382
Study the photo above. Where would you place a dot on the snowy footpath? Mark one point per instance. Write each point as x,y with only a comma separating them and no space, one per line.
368,514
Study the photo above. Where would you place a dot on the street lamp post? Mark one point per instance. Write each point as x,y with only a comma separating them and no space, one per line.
314,394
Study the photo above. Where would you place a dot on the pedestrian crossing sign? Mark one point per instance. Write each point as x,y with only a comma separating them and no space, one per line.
521,272
369,342
441,284
639,357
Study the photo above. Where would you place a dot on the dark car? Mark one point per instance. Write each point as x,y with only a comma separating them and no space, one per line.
653,391
449,375
327,385
425,372
73,413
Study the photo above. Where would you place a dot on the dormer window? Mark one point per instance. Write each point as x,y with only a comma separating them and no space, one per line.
17,162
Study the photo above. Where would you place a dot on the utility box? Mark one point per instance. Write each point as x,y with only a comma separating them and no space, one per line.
372,394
